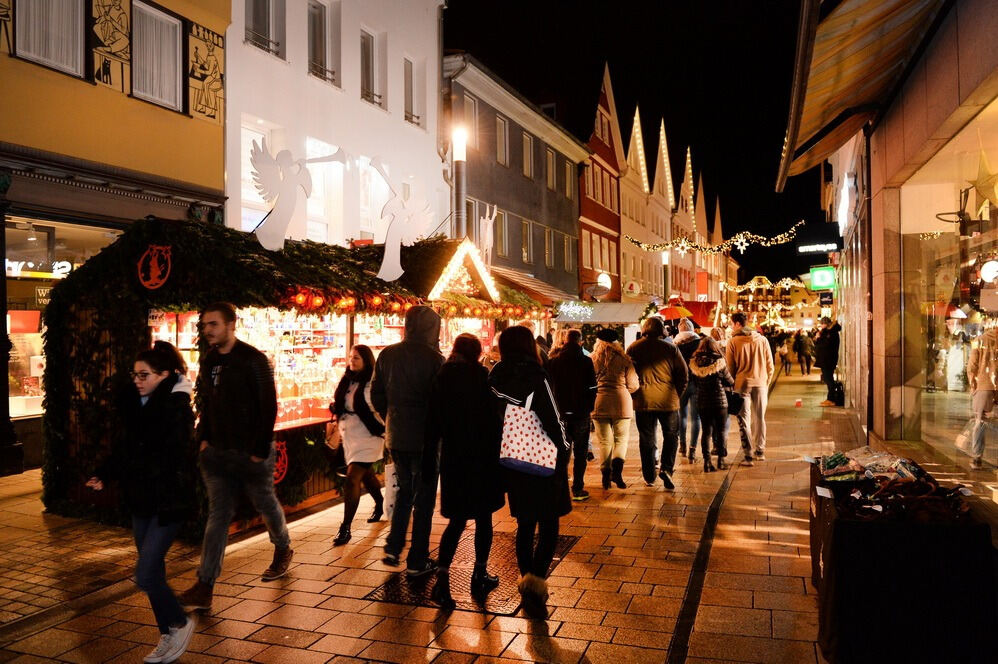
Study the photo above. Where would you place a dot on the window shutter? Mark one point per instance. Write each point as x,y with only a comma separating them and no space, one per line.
156,57
50,32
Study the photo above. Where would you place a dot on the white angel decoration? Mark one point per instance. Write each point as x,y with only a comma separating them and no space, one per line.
485,237
277,181
408,221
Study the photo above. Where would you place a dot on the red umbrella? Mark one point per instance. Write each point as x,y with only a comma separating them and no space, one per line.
675,312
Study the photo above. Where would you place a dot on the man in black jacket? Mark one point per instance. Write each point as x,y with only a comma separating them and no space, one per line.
235,433
400,392
826,355
575,391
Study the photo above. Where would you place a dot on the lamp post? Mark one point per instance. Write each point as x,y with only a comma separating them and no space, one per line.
459,155
598,288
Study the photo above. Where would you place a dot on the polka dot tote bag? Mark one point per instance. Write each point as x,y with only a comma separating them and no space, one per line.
526,447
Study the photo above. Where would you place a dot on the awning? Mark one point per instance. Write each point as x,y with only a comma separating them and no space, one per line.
701,312
600,312
539,290
847,65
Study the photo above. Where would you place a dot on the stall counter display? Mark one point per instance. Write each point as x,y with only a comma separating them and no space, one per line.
378,332
307,351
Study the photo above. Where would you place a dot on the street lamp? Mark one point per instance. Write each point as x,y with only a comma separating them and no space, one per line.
598,288
459,155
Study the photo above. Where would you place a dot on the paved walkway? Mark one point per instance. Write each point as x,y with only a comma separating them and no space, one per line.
638,586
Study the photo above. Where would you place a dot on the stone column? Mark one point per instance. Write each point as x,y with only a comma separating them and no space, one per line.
11,453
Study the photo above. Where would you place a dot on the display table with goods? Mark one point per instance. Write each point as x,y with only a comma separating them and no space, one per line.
903,569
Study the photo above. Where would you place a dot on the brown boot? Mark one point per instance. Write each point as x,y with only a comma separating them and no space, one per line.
534,591
197,597
279,566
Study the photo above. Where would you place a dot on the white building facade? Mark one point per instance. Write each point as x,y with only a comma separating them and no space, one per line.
350,88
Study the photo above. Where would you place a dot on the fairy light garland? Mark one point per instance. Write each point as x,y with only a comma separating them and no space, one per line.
740,241
756,283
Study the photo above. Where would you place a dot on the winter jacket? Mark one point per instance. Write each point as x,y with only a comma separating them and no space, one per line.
362,404
803,345
826,348
616,380
983,364
574,381
710,374
532,496
749,359
465,420
662,374
238,400
153,458
403,376
687,343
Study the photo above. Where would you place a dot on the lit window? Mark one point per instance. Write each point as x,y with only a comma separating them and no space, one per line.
552,174
501,241
156,68
525,242
589,181
471,120
570,181
587,256
502,144
51,32
528,155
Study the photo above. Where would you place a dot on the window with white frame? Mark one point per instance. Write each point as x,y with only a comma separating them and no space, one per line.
502,141
156,61
587,256
265,25
526,253
368,69
318,42
570,181
501,236
613,196
409,91
253,207
613,257
605,197
51,33
471,119
552,174
548,247
528,155
589,181
605,257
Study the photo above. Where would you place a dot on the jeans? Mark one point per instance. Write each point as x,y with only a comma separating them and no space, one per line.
613,436
828,378
752,420
535,559
226,474
452,535
688,413
982,402
786,366
648,421
714,428
804,360
153,540
417,494
577,431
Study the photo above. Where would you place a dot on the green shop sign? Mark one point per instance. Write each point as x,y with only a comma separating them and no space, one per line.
823,278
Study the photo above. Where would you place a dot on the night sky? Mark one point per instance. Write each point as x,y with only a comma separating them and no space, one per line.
718,72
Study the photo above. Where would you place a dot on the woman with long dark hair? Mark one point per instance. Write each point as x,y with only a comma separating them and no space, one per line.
709,371
150,460
362,434
536,502
463,418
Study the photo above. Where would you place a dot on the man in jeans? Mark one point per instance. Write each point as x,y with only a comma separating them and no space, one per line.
574,382
663,375
235,433
400,392
750,361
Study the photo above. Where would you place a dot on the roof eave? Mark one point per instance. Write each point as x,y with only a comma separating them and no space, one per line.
807,28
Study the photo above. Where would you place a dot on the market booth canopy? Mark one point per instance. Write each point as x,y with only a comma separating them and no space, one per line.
618,313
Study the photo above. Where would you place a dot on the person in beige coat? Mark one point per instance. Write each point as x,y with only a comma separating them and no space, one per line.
750,361
981,372
616,379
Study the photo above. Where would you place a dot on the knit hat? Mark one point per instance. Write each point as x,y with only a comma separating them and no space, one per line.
608,335
686,325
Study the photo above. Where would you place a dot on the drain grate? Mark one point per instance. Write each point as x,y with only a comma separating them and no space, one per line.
504,600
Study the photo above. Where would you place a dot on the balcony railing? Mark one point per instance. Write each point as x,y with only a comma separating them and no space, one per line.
411,117
263,42
371,96
319,70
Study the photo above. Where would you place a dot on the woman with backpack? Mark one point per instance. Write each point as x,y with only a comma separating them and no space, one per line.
714,382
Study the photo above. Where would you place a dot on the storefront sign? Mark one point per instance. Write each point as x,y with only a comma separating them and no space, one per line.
42,295
32,270
823,278
826,299
819,248
154,266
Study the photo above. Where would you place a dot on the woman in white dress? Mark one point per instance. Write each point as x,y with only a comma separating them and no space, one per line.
362,434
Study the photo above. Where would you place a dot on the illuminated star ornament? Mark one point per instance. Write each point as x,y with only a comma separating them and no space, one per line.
741,244
986,184
683,246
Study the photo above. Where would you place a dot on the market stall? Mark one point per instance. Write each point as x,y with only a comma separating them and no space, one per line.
904,571
591,317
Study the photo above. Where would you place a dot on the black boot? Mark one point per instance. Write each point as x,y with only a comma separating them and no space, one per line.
482,583
708,467
606,478
617,469
379,511
693,454
721,463
343,536
441,592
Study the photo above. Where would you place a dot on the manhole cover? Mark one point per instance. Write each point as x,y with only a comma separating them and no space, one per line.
504,600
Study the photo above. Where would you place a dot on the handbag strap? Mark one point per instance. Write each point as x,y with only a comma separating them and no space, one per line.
529,400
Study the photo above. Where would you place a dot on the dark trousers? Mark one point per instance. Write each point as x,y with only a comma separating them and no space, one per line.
713,428
153,540
688,415
577,431
805,364
648,421
786,365
536,559
417,494
452,535
828,378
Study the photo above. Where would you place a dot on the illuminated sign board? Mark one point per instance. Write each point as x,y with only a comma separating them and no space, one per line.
823,278
818,248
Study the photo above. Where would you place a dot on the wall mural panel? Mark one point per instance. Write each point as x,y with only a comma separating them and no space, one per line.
206,62
112,49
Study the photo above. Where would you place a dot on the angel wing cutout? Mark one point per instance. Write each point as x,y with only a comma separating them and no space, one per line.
277,180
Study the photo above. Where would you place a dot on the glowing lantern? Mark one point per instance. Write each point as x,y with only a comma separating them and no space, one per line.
408,306
396,306
452,310
478,311
318,301
467,311
376,301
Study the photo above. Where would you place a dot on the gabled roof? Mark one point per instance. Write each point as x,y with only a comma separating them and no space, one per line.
686,191
701,210
663,170
717,233
618,140
636,152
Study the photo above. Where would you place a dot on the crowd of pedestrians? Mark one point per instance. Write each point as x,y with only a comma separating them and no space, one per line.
491,429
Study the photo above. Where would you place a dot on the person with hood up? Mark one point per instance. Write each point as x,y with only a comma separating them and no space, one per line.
982,372
574,383
709,371
536,502
662,376
750,361
462,413
687,341
826,355
400,392
616,380
149,461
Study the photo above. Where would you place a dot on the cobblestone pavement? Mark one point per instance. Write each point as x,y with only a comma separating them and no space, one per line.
637,582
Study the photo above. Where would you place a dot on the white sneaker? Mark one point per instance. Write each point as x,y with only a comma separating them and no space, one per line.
180,638
162,649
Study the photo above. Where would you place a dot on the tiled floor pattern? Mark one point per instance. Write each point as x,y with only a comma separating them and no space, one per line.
615,597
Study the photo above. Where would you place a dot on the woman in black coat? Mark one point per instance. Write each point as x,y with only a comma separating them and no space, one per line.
470,488
152,461
708,370
535,502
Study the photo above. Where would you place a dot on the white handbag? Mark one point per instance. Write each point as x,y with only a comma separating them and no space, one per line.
526,447
391,489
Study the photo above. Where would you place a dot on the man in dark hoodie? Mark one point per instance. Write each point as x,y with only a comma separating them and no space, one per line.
400,392
687,342
826,355
575,391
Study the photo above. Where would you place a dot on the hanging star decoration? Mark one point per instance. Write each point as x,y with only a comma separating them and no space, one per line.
756,283
740,241
986,184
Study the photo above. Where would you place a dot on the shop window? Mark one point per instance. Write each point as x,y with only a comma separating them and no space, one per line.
548,247
552,173
501,235
528,155
156,59
265,23
502,142
50,32
587,261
